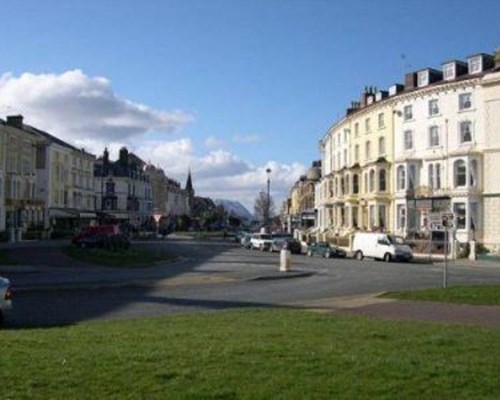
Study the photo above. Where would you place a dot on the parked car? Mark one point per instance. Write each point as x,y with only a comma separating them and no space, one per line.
109,241
326,250
261,241
293,245
245,241
380,246
6,295
279,241
90,231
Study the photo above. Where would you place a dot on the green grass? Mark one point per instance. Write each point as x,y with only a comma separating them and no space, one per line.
478,295
6,260
121,258
251,354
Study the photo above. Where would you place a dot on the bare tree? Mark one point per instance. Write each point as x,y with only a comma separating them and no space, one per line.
264,208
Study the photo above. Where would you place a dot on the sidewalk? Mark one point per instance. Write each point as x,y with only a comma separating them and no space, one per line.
371,305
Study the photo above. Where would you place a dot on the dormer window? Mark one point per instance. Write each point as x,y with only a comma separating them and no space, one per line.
423,78
475,64
449,71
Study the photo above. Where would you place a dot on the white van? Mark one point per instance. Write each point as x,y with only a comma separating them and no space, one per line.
380,246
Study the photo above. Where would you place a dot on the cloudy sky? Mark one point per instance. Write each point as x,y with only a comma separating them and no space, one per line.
226,88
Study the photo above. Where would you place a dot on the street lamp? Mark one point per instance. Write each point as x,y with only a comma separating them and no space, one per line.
268,213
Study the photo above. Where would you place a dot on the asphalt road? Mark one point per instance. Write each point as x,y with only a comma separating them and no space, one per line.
208,277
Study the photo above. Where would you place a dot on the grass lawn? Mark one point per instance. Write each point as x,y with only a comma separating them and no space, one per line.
486,295
251,354
121,258
6,260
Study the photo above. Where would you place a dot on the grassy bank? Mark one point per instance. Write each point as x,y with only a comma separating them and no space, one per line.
477,295
121,258
251,354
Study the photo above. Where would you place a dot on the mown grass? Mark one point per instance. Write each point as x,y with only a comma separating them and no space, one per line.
132,257
477,295
251,354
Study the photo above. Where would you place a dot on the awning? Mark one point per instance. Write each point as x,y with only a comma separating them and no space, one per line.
60,213
87,215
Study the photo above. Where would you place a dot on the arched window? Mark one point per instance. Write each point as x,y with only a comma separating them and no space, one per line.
401,178
431,175
342,186
372,180
347,183
355,183
460,173
412,176
382,185
366,182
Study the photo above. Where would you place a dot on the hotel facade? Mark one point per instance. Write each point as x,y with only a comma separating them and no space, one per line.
431,144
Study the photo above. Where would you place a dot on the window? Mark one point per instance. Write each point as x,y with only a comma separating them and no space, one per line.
366,182
381,146
372,216
401,215
372,180
465,128
342,186
448,71
346,161
431,175
408,113
460,173
464,101
401,178
367,150
423,78
412,175
474,216
356,153
408,140
367,125
433,107
475,64
438,176
460,212
473,173
356,129
347,184
355,183
433,136
382,185
354,213
381,121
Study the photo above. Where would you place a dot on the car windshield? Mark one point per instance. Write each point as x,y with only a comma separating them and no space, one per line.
266,237
396,240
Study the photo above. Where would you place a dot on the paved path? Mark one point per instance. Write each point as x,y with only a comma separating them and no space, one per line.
374,306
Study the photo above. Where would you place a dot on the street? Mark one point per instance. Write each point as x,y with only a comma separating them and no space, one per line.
209,276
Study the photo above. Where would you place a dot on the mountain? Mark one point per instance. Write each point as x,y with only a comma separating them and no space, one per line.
234,208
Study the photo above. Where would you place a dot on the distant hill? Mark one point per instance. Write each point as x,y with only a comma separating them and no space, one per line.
234,208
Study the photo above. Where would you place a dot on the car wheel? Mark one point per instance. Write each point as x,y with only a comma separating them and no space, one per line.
387,257
359,255
309,253
328,254
261,248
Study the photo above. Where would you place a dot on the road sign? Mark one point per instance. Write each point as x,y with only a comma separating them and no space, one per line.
441,221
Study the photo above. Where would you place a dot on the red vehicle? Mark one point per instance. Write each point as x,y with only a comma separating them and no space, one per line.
95,230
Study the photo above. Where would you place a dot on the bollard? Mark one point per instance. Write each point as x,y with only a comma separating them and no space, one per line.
285,260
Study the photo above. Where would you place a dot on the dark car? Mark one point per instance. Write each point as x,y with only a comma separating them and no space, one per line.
293,245
108,241
326,250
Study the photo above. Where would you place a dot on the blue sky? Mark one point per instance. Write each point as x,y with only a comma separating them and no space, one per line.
226,87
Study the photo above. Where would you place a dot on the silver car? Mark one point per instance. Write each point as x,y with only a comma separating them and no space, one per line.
6,295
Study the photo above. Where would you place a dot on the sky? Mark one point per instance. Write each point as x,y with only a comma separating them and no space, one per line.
226,88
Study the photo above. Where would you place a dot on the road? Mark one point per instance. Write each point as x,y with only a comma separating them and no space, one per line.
208,277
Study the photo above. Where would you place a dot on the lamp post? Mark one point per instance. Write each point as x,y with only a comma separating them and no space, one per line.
268,208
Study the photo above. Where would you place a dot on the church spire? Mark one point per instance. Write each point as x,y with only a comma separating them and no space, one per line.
189,182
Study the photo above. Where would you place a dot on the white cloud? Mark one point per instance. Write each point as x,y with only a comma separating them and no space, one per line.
212,142
247,138
73,105
87,112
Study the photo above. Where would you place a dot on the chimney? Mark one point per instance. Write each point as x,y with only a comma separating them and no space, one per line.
497,58
410,81
15,120
381,95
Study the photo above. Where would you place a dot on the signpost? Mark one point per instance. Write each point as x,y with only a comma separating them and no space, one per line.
443,222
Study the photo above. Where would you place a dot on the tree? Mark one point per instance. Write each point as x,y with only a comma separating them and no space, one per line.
264,208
